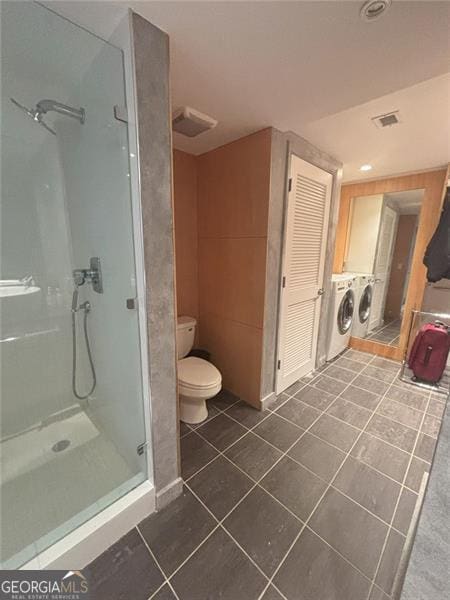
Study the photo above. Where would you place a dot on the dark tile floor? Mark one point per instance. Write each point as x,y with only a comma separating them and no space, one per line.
309,500
388,333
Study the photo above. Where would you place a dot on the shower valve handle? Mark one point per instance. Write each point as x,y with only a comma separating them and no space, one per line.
93,275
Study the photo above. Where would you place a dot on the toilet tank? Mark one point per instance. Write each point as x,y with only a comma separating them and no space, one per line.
185,335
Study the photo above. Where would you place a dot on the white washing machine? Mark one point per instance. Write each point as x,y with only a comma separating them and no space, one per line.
341,313
363,302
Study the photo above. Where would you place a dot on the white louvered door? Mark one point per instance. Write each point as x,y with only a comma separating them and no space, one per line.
303,266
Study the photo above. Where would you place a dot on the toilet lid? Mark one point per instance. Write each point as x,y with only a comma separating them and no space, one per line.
197,373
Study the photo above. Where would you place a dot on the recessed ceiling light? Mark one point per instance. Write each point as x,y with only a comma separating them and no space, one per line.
373,9
365,168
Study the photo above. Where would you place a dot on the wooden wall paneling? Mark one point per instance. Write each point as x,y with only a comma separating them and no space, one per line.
236,349
433,183
232,278
233,205
186,237
233,187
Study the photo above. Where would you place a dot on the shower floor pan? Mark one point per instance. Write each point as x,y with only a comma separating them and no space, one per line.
49,486
25,452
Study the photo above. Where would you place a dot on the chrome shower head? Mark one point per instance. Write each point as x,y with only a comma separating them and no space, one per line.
47,105
34,114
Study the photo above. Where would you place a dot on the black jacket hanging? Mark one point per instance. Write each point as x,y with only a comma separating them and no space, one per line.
437,254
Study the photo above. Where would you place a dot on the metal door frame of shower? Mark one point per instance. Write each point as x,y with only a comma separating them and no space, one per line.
87,541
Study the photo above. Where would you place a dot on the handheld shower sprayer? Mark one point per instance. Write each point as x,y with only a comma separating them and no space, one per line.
93,275
75,299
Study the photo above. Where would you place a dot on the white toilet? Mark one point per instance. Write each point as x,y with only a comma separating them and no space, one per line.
198,379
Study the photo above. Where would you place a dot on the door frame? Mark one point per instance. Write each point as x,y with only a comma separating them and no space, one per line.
434,183
391,251
324,248
283,145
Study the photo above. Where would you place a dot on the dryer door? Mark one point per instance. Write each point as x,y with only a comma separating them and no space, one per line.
345,312
365,303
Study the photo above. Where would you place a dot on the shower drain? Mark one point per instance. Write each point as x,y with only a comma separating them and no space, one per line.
61,445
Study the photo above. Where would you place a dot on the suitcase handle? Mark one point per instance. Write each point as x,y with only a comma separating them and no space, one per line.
427,356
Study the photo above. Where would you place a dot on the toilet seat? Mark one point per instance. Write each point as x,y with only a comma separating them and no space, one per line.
197,374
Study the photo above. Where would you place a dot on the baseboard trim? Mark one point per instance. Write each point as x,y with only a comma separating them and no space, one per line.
169,493
268,400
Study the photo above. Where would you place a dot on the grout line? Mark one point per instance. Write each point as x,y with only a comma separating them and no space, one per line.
158,565
153,594
337,552
354,384
307,430
331,485
299,462
379,329
219,453
372,410
322,495
219,523
285,454
360,372
397,422
265,474
374,333
397,503
181,565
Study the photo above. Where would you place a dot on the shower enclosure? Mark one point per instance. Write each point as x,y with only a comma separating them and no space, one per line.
73,433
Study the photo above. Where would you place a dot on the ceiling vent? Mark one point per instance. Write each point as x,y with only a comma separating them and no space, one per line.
387,120
191,122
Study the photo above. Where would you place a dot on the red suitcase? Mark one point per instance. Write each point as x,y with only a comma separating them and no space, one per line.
429,352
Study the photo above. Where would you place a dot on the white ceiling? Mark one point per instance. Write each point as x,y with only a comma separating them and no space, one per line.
420,141
311,67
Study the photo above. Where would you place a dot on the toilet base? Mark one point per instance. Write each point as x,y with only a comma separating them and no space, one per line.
193,410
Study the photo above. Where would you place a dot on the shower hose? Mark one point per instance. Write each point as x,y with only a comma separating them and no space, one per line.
86,307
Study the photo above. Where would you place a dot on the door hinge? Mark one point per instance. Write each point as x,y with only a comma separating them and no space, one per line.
283,281
142,448
279,365
290,184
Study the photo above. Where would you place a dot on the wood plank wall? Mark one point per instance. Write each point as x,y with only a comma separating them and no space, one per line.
186,232
434,183
233,201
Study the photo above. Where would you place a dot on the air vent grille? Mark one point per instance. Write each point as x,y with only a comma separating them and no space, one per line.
387,120
191,122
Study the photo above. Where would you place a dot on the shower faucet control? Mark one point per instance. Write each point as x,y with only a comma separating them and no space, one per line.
92,275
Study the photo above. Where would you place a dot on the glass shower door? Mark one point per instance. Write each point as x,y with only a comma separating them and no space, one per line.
72,412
